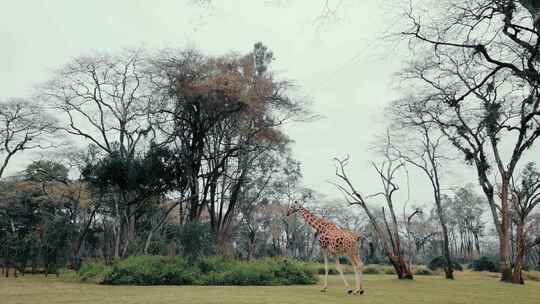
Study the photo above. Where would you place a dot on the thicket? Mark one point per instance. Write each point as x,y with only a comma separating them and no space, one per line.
485,264
157,270
439,263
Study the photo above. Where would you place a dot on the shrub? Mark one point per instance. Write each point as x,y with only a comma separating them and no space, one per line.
485,264
422,270
319,268
156,270
372,269
332,271
439,263
288,271
94,272
532,276
389,270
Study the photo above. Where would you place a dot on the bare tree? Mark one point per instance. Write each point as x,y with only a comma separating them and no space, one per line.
388,233
420,145
24,126
525,198
480,78
104,100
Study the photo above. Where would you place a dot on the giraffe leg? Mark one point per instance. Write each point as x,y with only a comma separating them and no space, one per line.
325,255
338,267
361,277
358,268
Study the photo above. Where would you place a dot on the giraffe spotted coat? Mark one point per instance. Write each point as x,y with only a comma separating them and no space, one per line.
335,242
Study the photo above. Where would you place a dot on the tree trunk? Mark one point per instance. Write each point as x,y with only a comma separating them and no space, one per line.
448,269
148,241
130,230
403,271
394,255
504,244
117,231
251,246
517,275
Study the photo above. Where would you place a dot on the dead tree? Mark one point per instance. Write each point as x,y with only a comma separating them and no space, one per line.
388,232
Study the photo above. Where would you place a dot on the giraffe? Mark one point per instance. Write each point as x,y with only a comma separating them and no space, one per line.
335,242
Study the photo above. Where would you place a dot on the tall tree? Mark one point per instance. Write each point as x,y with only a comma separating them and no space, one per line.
480,81
525,198
421,145
221,115
104,99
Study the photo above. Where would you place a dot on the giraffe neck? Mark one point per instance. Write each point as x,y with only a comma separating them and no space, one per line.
314,221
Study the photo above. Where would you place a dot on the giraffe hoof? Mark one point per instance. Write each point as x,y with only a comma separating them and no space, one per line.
359,291
349,291
324,289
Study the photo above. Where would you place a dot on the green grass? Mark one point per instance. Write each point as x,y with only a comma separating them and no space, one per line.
469,287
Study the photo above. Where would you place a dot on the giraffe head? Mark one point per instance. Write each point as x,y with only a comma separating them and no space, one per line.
295,207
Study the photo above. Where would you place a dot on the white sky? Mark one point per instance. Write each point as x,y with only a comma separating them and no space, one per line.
343,66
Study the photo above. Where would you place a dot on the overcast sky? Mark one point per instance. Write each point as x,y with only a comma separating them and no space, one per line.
343,65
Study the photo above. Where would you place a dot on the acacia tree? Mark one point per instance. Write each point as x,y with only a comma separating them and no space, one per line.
525,198
480,81
23,126
388,233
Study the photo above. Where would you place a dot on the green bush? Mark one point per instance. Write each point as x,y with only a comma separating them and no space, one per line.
372,269
149,270
439,263
155,270
389,270
485,264
422,270
332,271
94,272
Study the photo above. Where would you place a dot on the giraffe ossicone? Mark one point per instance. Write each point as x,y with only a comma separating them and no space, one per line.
335,242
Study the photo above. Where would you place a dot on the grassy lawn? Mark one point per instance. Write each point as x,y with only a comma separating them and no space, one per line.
468,288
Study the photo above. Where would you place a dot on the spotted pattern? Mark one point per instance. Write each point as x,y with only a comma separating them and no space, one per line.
336,242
